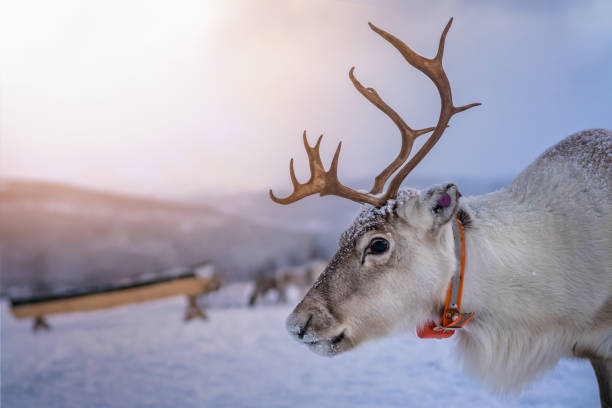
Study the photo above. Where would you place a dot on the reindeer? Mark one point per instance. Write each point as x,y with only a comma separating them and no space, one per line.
301,277
523,275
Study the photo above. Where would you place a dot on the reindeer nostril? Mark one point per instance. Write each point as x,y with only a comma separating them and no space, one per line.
304,328
338,338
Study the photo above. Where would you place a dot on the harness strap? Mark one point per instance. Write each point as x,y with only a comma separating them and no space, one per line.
452,318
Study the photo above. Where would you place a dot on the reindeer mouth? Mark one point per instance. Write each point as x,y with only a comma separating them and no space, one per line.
308,330
328,346
323,345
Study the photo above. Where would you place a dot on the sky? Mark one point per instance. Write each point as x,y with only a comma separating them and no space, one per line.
173,99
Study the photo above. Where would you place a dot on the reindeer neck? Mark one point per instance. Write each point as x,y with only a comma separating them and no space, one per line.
497,268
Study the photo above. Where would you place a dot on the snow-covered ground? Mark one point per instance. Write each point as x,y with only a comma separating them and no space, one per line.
144,356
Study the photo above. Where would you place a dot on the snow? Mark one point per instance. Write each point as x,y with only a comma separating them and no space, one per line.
143,355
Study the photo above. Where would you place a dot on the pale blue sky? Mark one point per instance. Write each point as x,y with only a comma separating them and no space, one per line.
171,98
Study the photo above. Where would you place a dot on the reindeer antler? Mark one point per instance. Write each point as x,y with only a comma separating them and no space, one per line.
321,181
327,183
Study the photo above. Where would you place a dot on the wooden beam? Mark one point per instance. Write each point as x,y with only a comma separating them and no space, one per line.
184,286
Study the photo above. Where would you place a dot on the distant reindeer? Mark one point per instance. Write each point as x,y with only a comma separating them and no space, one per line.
301,277
537,256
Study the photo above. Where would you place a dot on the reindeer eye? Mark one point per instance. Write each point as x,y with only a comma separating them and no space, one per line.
378,246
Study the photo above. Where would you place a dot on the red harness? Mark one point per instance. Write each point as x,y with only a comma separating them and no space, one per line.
452,319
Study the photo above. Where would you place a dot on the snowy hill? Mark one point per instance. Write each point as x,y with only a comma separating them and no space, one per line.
55,236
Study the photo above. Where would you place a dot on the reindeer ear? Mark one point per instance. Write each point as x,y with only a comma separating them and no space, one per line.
441,203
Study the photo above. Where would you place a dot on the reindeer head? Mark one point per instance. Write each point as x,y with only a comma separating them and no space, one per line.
393,263
390,272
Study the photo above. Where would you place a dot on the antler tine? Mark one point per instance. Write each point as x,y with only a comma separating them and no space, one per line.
321,181
314,157
440,52
409,135
433,69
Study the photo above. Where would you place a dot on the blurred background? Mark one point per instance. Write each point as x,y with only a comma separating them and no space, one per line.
138,141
